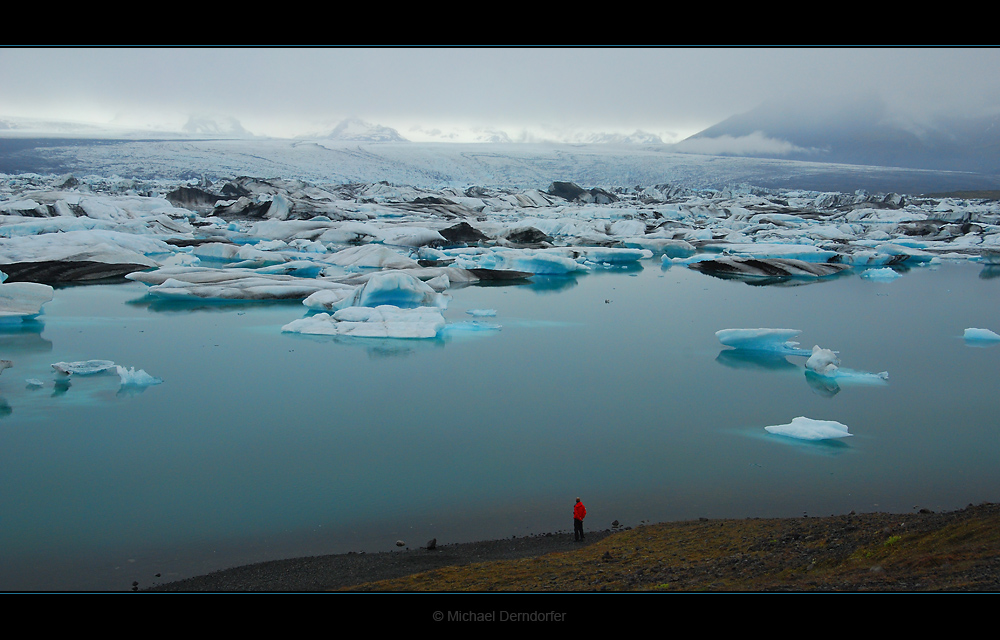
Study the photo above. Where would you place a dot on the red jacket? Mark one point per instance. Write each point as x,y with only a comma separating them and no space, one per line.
579,511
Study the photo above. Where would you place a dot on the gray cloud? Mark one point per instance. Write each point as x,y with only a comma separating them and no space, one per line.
658,90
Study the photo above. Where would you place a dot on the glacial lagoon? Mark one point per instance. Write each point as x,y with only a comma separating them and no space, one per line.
610,385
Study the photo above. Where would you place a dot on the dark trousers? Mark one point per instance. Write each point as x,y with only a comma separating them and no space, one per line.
577,529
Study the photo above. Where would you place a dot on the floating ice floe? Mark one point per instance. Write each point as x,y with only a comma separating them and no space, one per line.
84,367
482,313
883,274
385,321
536,261
973,334
128,377
825,363
770,340
804,428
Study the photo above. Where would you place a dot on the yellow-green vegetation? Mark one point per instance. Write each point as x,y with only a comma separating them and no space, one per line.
857,552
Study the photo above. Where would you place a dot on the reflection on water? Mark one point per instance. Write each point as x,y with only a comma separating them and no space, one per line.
261,444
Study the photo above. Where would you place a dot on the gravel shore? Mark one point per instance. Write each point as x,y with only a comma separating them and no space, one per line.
920,551
323,573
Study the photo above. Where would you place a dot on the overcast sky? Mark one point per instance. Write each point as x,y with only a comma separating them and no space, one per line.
667,91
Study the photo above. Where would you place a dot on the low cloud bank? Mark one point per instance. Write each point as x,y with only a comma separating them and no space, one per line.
755,143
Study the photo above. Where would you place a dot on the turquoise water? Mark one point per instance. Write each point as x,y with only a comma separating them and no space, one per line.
610,386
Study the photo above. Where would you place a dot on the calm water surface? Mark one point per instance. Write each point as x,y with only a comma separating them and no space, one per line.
610,386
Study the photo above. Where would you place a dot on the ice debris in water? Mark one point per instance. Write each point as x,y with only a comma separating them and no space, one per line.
482,313
84,367
384,321
93,367
981,335
136,378
773,340
824,362
804,428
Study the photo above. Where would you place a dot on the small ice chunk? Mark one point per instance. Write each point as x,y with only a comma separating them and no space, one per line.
981,335
84,367
808,429
482,313
136,378
34,383
823,361
884,274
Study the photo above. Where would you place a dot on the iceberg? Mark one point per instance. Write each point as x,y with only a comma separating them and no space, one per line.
371,256
770,340
385,321
973,334
823,361
22,300
884,274
741,267
803,428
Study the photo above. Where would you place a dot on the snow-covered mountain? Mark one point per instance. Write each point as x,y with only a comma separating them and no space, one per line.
856,132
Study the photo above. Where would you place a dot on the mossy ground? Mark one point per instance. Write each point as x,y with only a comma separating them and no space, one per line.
955,551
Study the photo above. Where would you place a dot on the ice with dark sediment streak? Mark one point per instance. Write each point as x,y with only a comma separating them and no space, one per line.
748,267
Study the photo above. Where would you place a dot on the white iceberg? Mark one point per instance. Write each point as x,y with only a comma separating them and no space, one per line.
384,321
22,300
823,361
804,428
884,274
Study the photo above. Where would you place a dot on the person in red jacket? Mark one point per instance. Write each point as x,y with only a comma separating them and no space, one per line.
579,513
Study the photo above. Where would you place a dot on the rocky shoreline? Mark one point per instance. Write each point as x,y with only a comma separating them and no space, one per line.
340,571
921,551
